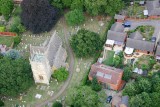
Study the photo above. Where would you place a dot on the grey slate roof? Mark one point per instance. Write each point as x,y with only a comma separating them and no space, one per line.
136,35
121,17
118,27
158,50
53,51
153,7
117,36
140,44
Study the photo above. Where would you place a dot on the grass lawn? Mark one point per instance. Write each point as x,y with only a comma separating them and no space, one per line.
109,58
6,40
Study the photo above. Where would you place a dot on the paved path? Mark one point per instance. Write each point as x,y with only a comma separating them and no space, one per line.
71,69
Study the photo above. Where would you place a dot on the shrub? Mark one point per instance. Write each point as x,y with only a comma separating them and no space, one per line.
2,28
13,54
75,17
95,85
60,74
17,40
57,104
1,103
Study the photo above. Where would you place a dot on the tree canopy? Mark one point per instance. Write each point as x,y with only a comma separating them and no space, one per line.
95,85
127,73
6,7
84,96
61,74
57,104
144,92
75,17
15,76
38,15
86,43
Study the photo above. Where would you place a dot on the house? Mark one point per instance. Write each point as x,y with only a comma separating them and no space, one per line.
115,40
120,101
110,77
158,53
119,18
117,27
153,8
136,43
45,59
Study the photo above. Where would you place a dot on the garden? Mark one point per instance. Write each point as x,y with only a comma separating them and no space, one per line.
146,31
135,11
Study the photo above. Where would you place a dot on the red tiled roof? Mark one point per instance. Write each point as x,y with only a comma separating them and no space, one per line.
114,75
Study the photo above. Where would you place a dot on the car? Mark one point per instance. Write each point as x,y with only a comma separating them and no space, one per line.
109,98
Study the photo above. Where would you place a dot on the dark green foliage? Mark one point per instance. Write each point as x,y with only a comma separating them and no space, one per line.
118,60
61,74
86,43
38,15
6,7
13,54
84,96
17,40
127,73
1,103
95,85
75,17
16,26
57,104
1,56
77,4
144,92
16,76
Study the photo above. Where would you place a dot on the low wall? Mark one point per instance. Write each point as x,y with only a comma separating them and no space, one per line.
7,34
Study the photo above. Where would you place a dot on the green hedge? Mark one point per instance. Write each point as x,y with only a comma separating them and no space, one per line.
2,28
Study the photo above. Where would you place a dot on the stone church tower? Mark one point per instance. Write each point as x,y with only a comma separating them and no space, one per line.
45,59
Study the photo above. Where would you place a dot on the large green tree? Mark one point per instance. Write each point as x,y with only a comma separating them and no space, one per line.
15,76
6,7
75,17
57,104
60,74
84,96
86,43
127,73
95,85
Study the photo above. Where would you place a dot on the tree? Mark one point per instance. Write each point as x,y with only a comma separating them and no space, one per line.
16,26
127,73
141,100
83,96
86,43
61,74
113,6
6,7
95,85
38,15
16,76
13,54
116,61
94,7
143,85
57,104
130,89
77,4
75,17
1,103
155,96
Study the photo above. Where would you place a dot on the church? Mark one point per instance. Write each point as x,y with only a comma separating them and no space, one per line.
47,58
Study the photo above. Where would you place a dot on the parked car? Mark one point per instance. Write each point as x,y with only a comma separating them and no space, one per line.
109,98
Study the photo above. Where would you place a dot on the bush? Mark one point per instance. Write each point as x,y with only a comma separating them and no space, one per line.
2,28
57,104
16,26
95,85
13,54
1,103
60,74
17,40
75,17
127,73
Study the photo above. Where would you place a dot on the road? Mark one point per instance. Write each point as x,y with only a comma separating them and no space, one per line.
71,69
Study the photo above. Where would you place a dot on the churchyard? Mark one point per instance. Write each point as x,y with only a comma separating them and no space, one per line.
39,93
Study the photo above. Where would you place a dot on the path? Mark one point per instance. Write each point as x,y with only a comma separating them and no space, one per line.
71,69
